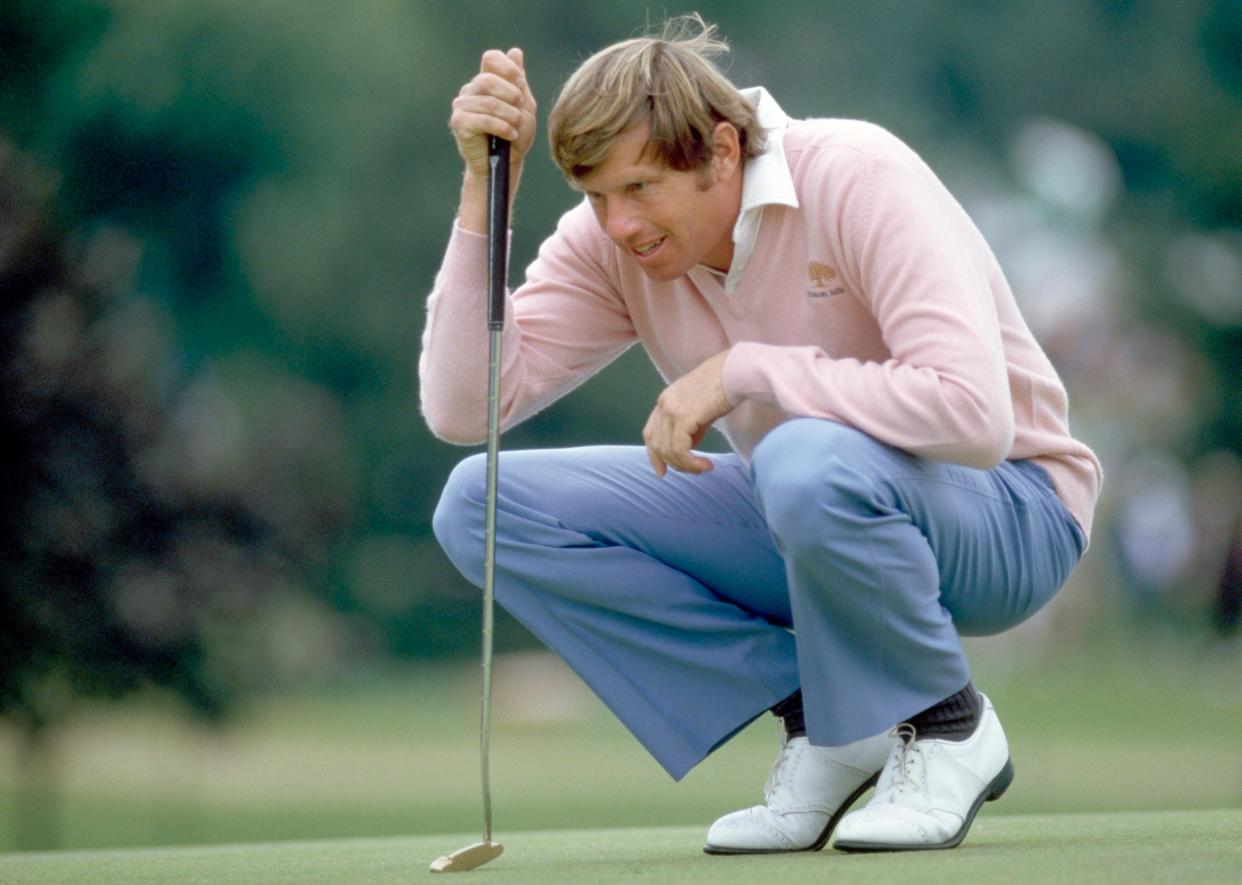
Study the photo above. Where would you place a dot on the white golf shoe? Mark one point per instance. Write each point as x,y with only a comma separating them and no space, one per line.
808,791
930,790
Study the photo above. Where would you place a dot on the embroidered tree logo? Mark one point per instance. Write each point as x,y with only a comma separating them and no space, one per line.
821,274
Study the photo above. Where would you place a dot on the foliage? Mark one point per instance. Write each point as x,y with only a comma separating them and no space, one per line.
139,534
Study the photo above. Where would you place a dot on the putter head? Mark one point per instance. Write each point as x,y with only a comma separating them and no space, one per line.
467,858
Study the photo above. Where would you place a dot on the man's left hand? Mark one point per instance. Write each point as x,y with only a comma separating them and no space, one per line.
683,414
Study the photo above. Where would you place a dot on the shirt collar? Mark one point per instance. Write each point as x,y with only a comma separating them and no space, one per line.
766,181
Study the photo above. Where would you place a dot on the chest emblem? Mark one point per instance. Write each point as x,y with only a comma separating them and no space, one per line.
823,279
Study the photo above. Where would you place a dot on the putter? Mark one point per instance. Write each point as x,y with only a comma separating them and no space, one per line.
497,252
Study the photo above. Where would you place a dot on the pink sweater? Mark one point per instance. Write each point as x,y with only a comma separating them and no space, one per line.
876,303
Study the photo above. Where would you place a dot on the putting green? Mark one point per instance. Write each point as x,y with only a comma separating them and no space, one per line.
1176,846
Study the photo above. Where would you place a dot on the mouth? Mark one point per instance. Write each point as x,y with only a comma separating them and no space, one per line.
647,249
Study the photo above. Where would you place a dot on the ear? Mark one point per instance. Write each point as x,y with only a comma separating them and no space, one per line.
727,151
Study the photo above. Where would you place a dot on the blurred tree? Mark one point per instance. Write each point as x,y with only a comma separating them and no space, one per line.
130,555
1227,604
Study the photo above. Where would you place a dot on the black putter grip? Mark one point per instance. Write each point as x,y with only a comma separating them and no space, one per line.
497,228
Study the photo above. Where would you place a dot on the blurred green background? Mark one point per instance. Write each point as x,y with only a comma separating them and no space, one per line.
223,616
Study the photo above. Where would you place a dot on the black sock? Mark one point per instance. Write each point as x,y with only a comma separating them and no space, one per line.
953,719
789,711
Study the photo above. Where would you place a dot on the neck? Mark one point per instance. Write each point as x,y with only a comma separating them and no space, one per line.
721,257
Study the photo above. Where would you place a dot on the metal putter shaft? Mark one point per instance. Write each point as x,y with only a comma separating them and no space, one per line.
497,251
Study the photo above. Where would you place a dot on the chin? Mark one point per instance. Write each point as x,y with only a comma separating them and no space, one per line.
666,273
661,275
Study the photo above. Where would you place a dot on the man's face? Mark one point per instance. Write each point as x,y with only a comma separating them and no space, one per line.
667,221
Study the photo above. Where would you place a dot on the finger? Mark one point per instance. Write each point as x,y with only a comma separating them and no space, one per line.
528,104
472,116
665,443
495,86
528,99
681,455
649,440
657,465
518,58
496,62
467,129
694,464
489,94
703,464
469,106
664,446
699,464
684,460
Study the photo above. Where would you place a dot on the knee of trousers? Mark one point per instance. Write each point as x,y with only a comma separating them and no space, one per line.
458,522
814,482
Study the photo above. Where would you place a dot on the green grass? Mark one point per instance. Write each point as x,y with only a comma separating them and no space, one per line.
1194,846
1114,727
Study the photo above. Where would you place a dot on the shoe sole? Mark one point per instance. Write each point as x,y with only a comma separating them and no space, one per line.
823,837
994,791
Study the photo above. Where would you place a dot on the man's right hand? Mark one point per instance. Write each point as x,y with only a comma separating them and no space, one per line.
497,101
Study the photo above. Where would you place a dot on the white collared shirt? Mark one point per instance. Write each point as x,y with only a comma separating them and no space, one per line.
765,181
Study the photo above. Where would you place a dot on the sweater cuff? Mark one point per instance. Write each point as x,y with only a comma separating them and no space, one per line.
743,373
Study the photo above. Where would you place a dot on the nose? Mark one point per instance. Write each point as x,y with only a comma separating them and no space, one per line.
619,221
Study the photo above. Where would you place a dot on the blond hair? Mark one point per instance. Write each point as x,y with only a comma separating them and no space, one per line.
669,81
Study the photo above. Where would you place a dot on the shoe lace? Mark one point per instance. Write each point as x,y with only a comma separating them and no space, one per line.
774,776
907,761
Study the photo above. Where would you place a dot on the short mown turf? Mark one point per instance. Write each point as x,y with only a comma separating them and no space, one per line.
1176,846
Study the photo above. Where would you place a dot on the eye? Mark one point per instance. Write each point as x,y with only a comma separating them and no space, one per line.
636,187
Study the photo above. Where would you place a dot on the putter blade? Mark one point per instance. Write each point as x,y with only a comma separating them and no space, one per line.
467,858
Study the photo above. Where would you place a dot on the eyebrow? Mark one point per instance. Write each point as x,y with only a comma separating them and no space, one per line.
638,178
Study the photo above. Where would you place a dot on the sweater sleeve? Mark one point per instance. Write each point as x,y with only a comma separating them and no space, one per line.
563,324
927,277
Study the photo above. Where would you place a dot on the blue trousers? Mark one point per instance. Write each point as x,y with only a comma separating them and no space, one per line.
834,563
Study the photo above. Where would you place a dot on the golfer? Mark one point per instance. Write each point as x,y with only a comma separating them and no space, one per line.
902,470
